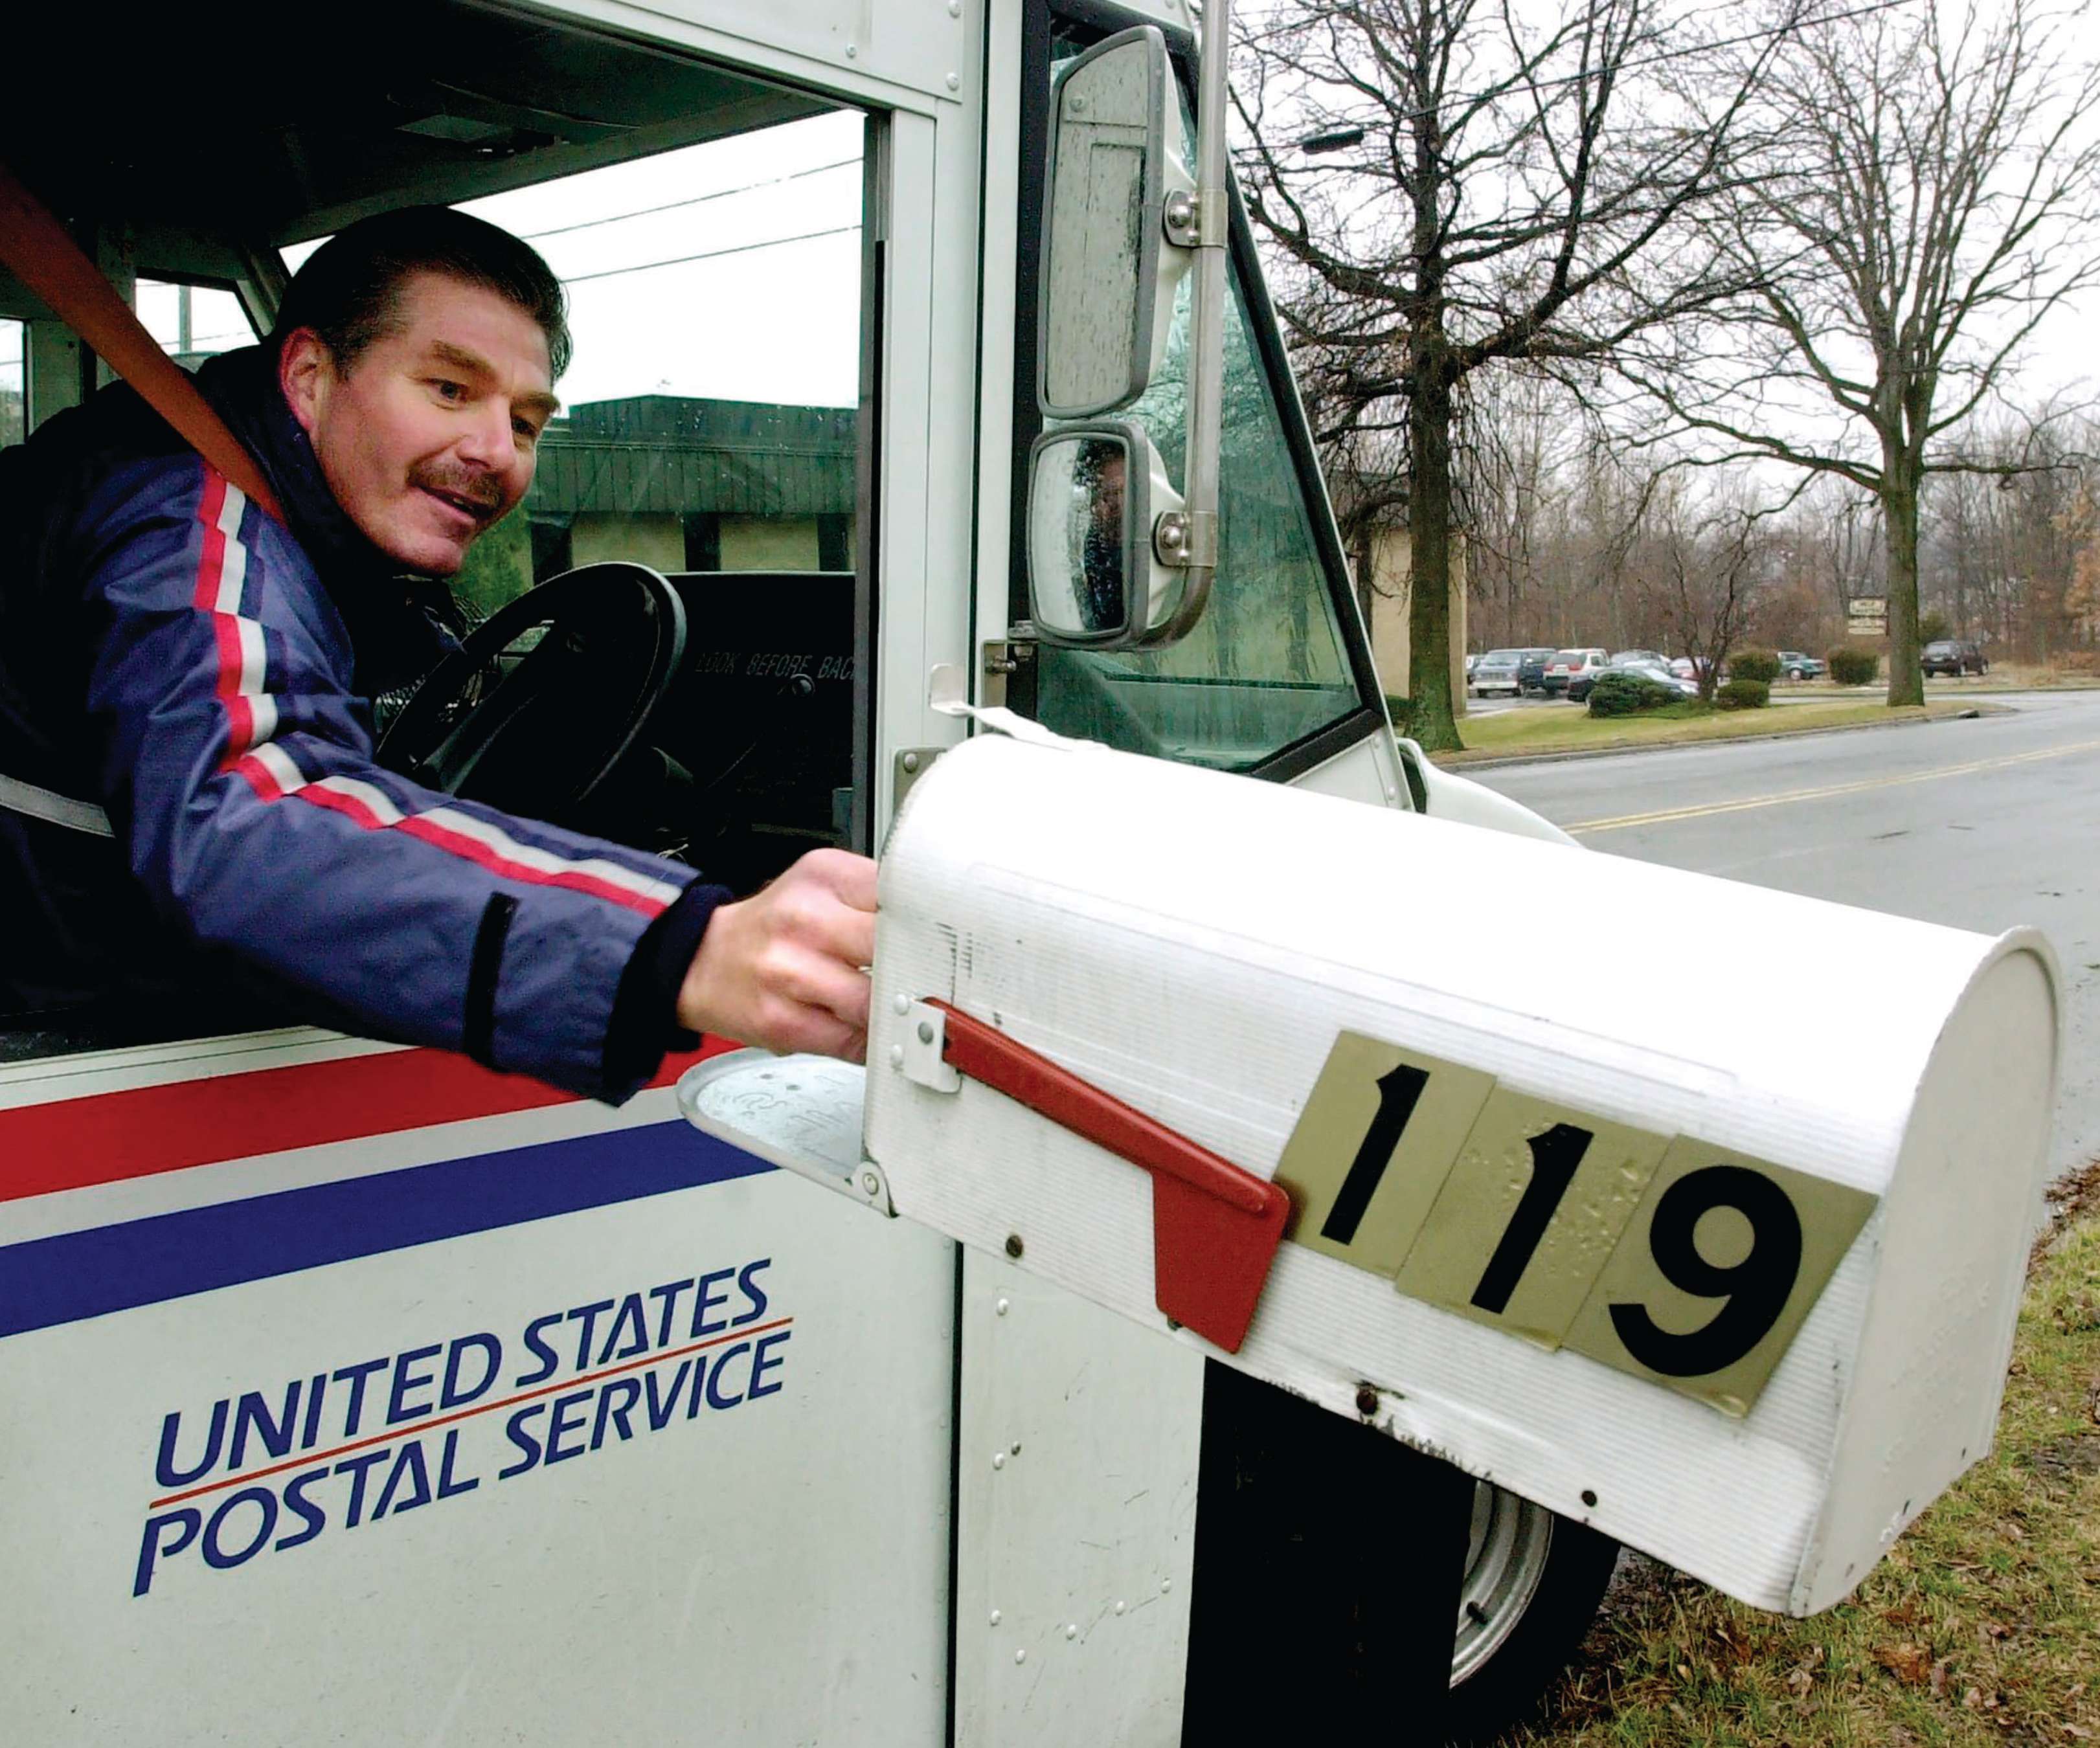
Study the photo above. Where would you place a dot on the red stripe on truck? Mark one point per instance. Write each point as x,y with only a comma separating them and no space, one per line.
106,1137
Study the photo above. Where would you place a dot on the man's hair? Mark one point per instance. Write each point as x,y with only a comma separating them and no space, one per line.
350,292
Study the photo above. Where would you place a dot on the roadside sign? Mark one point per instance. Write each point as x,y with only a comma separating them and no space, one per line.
1867,616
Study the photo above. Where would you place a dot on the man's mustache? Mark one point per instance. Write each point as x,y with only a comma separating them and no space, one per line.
484,491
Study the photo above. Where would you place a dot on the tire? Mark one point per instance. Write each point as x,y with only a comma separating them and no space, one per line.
1533,1584
1270,1524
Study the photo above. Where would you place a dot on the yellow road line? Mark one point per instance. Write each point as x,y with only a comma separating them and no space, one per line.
1829,789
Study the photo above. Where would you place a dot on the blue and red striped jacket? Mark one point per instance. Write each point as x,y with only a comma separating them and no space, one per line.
201,671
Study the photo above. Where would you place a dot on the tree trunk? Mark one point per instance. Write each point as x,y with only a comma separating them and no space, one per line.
1429,714
1898,495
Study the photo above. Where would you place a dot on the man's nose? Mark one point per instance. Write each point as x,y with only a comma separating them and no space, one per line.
488,441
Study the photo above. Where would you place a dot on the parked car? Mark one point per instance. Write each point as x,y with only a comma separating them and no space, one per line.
1690,667
1580,687
1561,672
1795,664
1496,671
1655,658
1531,671
1953,655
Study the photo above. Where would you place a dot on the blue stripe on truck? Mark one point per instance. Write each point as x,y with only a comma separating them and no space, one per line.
62,1279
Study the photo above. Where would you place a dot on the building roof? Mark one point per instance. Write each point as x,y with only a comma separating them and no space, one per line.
670,454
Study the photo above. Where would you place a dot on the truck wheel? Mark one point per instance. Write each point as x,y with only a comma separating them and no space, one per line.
1279,1515
1533,1583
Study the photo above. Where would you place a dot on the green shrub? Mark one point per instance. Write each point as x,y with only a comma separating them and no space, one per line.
1753,664
1740,694
1629,694
1933,626
1851,665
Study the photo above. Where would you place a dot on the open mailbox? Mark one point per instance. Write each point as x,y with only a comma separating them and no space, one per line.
1733,1276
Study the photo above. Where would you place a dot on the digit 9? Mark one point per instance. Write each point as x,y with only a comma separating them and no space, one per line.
1755,1289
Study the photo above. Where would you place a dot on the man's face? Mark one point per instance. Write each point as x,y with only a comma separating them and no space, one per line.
1108,492
428,439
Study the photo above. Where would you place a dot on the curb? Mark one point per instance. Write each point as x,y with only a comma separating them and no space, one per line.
1985,708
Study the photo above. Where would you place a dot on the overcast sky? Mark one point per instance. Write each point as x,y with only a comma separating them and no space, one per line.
770,312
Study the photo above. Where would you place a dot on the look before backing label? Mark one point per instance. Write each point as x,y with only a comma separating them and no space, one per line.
1686,1264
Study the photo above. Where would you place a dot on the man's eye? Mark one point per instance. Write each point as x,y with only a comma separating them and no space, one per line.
449,391
526,431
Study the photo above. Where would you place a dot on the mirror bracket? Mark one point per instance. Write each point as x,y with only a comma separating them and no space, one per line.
1186,540
1197,221
1179,219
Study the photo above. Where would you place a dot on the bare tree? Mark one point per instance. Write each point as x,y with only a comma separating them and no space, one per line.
1515,430
1497,185
1716,556
1997,555
1927,192
1838,535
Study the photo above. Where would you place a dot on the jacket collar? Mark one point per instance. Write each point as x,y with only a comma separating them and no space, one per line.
394,621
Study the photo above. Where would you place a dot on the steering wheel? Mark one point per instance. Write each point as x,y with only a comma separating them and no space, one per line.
561,712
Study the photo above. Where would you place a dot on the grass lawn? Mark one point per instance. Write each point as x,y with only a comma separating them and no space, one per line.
1519,732
1982,1625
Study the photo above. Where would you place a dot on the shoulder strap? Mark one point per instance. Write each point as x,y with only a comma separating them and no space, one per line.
35,247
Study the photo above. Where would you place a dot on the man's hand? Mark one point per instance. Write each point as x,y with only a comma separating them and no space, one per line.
783,968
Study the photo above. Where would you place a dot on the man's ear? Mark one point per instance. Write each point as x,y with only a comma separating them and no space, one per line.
306,372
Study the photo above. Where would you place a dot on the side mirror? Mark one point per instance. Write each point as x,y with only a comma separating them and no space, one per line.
1105,304
1094,580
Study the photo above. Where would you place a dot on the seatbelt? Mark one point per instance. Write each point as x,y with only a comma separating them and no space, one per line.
53,808
36,249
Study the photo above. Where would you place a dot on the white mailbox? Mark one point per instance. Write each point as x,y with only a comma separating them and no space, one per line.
1730,1273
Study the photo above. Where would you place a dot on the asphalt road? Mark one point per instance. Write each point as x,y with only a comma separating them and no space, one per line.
1982,825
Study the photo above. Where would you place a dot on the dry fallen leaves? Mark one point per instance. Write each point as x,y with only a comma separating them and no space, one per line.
1905,1661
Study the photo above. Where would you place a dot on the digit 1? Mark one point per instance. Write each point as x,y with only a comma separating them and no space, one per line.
1554,1155
1399,1091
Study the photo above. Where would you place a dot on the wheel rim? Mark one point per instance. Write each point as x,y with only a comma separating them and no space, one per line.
1511,1540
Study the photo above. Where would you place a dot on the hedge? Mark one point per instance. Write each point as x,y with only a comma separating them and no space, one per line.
1753,664
1742,694
1851,665
1629,694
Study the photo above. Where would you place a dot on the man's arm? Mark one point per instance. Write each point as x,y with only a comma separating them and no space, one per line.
238,771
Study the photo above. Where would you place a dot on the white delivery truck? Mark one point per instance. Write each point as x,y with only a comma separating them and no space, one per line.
350,1393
